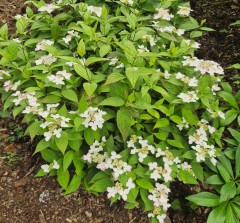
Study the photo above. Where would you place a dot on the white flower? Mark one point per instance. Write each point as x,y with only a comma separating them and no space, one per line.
48,8
121,65
45,168
46,60
17,40
142,49
163,14
167,75
8,85
43,44
55,165
96,10
113,61
190,96
128,2
150,39
184,11
93,118
70,64
71,34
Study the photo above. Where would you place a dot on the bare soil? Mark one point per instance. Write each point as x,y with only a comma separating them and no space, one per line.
27,199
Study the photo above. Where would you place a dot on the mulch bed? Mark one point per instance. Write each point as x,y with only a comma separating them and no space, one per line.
27,199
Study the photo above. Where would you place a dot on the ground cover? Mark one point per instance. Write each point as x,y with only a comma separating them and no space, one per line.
20,191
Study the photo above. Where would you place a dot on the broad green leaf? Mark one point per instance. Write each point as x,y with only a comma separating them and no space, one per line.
189,116
89,88
197,170
235,134
229,117
83,71
225,175
114,77
175,143
101,185
51,99
229,98
63,178
205,199
228,191
218,214
237,162
92,60
214,179
62,142
148,204
145,184
70,95
67,159
33,129
161,123
124,122
112,101
187,177
104,50
43,144
74,184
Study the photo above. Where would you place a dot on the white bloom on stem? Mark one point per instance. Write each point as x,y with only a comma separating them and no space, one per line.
93,118
8,85
190,96
59,77
48,8
46,60
43,44
184,11
96,10
150,39
128,2
45,168
70,35
163,14
113,61
142,49
55,165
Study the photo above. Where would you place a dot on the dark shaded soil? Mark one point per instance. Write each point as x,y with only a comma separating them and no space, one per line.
21,193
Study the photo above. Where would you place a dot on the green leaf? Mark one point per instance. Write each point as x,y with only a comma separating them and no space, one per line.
228,191
218,215
92,60
214,179
237,160
229,117
231,215
189,116
83,72
229,98
51,99
124,122
148,204
145,184
225,175
104,50
75,184
114,77
81,48
161,123
175,143
197,170
43,144
70,95
62,142
187,177
33,129
112,101
63,178
101,185
89,88
205,199
67,159
235,134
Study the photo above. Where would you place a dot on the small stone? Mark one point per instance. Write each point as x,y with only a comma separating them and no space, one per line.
44,196
88,214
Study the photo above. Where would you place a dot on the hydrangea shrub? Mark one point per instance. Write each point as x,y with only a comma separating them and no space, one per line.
116,95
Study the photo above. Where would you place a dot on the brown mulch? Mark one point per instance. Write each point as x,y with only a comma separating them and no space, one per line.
21,194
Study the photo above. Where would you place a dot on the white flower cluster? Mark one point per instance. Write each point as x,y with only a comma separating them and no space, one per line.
191,43
71,34
2,73
191,82
184,11
120,189
114,61
54,126
46,60
97,155
150,39
59,77
203,66
163,14
8,85
96,10
93,118
171,29
47,168
140,147
185,124
48,8
200,139
127,2
43,44
215,114
142,49
32,101
159,196
187,167
163,173
190,96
